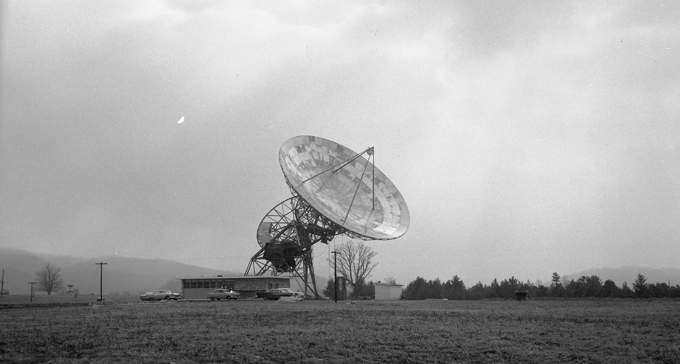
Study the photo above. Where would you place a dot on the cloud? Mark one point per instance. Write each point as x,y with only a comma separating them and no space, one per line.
515,132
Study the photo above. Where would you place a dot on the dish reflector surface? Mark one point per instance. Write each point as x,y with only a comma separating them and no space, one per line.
308,164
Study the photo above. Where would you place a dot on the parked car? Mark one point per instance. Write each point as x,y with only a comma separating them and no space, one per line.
161,294
296,297
275,294
223,294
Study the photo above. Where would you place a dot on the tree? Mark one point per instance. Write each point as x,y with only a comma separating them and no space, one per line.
329,291
49,279
416,290
555,280
568,288
594,285
478,291
365,290
626,292
355,262
609,289
495,288
434,289
587,286
362,289
640,286
541,291
556,289
659,290
457,288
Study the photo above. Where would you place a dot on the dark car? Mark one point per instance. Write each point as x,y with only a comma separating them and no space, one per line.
275,294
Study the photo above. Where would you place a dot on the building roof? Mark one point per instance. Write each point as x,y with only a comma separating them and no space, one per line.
240,277
388,284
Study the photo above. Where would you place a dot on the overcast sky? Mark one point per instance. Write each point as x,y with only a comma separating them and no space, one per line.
526,137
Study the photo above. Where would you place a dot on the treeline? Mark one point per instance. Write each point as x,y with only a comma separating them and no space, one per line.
586,286
345,290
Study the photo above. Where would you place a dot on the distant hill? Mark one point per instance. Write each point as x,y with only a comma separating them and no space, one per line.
132,275
60,260
629,273
20,267
121,274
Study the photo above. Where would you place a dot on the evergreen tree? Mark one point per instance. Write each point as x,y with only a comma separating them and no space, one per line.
457,288
478,291
329,291
556,289
626,292
434,289
555,280
640,286
416,290
495,289
541,291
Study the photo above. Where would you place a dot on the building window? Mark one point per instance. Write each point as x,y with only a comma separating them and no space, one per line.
270,285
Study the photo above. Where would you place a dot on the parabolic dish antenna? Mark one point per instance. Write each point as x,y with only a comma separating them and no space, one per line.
344,187
335,191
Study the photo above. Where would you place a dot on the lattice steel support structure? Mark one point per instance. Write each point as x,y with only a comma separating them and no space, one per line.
286,236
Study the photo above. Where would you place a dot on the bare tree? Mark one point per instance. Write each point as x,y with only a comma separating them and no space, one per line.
49,279
355,262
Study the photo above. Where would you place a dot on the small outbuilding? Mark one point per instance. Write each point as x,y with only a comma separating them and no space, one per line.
387,291
198,288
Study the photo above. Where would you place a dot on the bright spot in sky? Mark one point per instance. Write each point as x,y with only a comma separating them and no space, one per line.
181,120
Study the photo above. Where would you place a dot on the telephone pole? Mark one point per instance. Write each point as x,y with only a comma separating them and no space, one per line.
2,283
335,279
101,279
32,283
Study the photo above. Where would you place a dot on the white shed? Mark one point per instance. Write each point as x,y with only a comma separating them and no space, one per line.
387,291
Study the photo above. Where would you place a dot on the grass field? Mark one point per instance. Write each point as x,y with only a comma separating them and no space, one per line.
257,331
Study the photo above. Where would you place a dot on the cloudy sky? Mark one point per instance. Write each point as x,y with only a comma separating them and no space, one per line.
526,137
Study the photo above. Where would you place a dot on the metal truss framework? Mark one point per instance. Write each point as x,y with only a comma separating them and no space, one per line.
286,236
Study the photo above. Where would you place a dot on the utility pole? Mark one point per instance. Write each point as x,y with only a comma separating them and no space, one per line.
335,279
2,283
32,283
101,279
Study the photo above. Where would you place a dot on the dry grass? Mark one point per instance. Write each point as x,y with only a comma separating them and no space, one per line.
610,331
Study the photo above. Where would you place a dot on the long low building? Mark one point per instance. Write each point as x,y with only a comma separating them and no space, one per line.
198,288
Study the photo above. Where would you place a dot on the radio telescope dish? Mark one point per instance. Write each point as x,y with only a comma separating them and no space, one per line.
335,191
344,187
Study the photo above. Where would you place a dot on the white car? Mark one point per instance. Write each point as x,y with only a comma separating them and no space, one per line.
296,297
223,294
161,294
